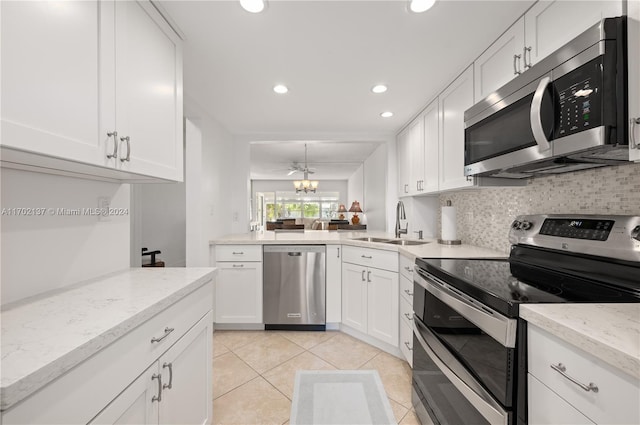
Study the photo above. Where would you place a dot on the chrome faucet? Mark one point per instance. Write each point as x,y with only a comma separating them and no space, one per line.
400,215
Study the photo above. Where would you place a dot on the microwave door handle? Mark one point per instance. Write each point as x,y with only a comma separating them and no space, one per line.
536,116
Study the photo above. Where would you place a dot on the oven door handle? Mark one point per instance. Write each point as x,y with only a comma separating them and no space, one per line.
459,377
536,116
499,327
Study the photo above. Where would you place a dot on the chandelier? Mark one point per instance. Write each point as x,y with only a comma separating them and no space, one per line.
305,185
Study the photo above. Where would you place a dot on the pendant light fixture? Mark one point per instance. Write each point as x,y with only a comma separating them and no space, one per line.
305,185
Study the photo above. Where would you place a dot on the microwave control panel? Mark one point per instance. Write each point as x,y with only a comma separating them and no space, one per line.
578,96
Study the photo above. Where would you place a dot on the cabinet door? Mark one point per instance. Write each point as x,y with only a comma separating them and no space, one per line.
501,62
453,101
57,79
431,148
186,376
634,77
548,408
404,164
354,296
136,404
416,155
383,310
148,91
547,26
334,283
238,293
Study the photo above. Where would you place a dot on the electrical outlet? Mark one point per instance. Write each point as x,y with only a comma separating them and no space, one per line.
104,204
236,216
469,216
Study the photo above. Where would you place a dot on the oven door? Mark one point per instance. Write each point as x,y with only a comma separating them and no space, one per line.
444,390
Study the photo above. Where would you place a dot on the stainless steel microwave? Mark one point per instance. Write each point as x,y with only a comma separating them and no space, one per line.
566,113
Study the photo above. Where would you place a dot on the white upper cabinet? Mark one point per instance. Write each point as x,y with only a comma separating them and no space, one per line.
404,162
634,79
92,88
416,149
453,101
501,62
431,148
550,24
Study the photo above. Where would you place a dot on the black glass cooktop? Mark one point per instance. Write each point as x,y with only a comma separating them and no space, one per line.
504,284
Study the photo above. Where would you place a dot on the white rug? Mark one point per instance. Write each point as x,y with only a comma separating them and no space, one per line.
339,397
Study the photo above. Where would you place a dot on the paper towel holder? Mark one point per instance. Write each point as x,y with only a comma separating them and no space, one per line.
450,242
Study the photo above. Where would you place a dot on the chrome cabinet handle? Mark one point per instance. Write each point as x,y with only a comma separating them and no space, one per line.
338,256
366,256
157,398
633,122
408,292
113,134
406,188
407,268
536,116
237,265
170,384
128,140
561,369
516,71
369,276
167,331
408,316
363,275
238,253
527,65
406,343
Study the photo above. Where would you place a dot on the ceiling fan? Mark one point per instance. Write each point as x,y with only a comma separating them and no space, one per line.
297,168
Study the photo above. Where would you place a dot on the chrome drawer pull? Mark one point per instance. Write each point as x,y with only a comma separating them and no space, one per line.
409,269
366,256
170,366
237,265
406,343
408,292
167,331
561,369
157,398
408,316
238,253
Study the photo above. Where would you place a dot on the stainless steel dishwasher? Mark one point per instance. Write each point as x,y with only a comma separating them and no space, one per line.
294,287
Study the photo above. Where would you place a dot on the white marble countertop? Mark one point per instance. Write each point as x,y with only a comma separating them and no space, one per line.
610,332
431,249
44,337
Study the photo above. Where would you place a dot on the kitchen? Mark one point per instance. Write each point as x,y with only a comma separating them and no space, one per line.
71,249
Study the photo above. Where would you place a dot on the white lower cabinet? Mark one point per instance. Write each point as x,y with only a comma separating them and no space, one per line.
334,284
568,385
238,290
159,372
370,298
174,390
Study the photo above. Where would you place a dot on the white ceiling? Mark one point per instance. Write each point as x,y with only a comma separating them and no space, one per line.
329,54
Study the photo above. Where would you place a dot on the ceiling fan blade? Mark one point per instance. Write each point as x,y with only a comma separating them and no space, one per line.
292,171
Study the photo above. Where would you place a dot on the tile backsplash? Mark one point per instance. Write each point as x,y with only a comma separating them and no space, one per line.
484,215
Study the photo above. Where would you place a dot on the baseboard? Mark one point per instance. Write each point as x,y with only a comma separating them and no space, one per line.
238,326
333,326
387,348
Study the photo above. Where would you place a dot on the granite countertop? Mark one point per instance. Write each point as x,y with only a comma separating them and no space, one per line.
610,332
45,336
432,249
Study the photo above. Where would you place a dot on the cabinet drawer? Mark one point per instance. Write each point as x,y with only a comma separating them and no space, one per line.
406,312
406,267
90,386
406,341
406,289
617,398
377,258
238,252
547,408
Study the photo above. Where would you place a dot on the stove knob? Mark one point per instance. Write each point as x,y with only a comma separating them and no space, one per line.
526,225
516,224
635,233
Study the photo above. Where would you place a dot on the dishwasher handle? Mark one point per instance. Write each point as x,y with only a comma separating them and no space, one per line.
295,254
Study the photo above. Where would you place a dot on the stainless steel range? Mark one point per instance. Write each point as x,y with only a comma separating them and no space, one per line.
469,351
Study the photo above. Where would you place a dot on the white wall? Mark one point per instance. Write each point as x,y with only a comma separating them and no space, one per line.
355,189
51,251
196,245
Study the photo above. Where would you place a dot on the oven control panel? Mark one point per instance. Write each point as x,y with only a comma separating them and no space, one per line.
595,230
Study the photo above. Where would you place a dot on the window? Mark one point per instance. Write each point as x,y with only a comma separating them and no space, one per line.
321,205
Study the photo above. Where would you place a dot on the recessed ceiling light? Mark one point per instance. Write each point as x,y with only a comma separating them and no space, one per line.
380,88
419,6
386,114
253,6
280,89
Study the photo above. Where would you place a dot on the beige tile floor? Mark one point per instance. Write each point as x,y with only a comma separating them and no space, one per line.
254,371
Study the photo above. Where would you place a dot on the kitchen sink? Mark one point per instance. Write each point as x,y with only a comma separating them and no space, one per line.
405,242
371,239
